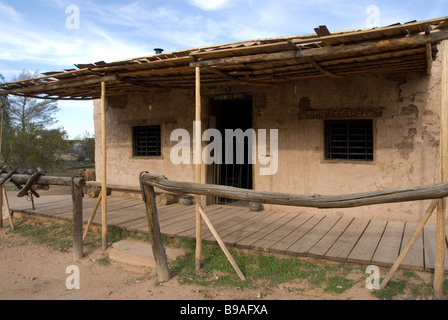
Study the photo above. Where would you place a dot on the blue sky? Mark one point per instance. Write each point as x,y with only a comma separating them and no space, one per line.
49,35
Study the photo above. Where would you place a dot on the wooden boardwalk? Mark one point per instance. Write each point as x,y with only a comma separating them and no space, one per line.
321,236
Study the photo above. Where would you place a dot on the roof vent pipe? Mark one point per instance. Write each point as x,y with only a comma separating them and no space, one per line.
158,50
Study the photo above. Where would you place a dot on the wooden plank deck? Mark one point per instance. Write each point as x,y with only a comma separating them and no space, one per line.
322,236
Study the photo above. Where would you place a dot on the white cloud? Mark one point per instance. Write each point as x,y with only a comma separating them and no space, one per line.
211,4
8,12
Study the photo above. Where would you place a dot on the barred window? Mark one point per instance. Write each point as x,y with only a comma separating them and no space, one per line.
146,141
349,140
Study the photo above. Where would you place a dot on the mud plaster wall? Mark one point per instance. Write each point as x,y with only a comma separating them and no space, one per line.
406,137
171,109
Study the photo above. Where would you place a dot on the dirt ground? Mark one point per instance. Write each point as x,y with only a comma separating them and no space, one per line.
30,271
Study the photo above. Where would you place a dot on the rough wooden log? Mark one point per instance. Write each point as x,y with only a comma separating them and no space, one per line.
77,222
154,234
47,180
365,47
55,85
435,191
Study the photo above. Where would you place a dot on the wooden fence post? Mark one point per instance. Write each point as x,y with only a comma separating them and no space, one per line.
149,197
77,221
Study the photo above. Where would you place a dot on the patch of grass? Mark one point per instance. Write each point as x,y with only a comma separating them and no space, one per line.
339,284
57,236
259,268
392,289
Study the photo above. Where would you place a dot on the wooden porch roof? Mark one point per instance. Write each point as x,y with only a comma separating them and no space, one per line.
398,48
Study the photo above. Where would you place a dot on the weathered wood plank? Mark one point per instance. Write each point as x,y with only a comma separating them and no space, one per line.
234,232
304,244
296,235
323,245
271,239
347,241
365,248
223,226
187,224
281,220
429,241
217,216
414,258
388,248
174,212
256,227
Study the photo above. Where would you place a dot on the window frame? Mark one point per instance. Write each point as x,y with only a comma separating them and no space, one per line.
369,157
135,154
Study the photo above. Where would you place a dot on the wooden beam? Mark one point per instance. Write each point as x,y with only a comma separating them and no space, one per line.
428,51
322,31
361,48
59,84
321,69
226,76
103,168
317,66
435,191
46,180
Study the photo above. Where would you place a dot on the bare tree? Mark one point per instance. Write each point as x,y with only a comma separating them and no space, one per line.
32,142
29,113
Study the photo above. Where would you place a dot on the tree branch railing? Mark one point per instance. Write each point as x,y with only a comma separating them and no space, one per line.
76,184
149,181
435,191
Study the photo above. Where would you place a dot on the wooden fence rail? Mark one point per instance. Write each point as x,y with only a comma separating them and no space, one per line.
77,184
434,192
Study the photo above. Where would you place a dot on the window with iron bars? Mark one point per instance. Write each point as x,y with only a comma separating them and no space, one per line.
147,141
350,140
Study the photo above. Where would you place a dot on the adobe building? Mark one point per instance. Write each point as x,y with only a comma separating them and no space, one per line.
354,111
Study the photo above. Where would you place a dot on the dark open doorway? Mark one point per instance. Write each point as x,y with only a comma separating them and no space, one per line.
232,114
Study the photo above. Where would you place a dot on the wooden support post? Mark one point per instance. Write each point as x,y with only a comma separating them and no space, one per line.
221,244
403,254
155,236
428,59
11,223
440,250
77,221
198,168
92,216
1,206
2,107
441,208
103,168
